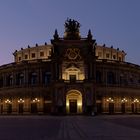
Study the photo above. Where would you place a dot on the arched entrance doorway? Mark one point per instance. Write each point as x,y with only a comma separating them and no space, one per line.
74,102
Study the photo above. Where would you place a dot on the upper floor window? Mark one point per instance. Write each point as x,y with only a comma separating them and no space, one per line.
131,80
41,54
107,55
72,78
98,76
1,82
33,78
47,78
100,54
121,79
20,79
120,59
9,80
110,78
114,56
26,56
33,55
49,51
19,58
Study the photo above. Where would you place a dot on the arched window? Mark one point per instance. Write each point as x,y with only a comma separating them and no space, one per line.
98,77
47,78
110,78
33,78
9,80
73,73
121,79
20,79
1,81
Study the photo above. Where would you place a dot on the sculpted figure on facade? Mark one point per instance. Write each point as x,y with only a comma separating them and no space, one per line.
72,25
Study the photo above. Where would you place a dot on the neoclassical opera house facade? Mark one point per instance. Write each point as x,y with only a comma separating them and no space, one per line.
72,75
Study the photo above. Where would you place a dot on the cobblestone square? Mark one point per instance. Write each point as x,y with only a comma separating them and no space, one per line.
117,127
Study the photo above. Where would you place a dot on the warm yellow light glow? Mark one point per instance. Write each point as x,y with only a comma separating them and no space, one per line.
110,100
67,104
7,101
136,101
36,100
76,96
79,104
20,101
124,100
73,71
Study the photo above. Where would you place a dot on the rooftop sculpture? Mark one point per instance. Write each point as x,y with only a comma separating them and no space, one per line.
72,29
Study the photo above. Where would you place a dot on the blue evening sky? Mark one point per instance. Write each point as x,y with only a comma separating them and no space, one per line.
27,22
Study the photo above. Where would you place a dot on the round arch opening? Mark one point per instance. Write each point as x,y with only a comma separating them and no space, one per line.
74,102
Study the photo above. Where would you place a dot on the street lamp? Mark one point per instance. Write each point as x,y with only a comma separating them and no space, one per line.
111,105
136,101
124,100
36,100
110,100
20,100
8,101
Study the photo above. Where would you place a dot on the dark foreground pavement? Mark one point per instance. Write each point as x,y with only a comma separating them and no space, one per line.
120,127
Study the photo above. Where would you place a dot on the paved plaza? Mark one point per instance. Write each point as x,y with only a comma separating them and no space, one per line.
115,127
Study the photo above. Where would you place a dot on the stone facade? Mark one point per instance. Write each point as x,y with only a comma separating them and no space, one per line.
73,75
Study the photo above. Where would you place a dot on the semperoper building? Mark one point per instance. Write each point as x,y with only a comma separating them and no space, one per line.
72,75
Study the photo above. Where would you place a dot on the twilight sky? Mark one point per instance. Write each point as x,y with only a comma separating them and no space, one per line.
27,22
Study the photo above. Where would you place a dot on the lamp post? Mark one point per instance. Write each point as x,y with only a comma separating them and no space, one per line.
34,105
136,101
9,106
21,108
20,100
124,100
110,100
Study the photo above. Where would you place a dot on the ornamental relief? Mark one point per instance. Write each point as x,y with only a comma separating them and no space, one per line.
72,54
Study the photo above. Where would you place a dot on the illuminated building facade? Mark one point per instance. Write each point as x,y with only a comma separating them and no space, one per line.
72,75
